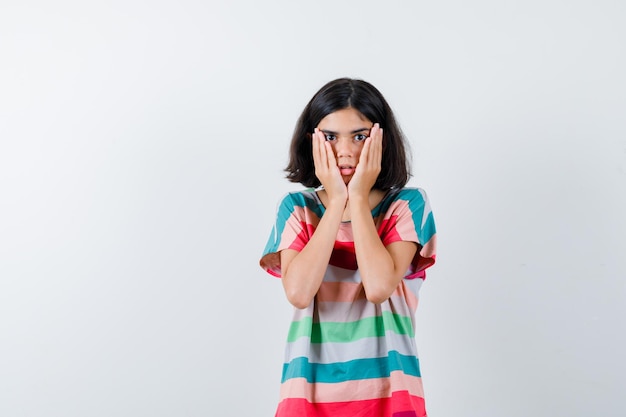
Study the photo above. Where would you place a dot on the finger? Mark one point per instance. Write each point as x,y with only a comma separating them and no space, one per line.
370,147
330,155
316,149
325,156
321,159
365,152
377,146
323,149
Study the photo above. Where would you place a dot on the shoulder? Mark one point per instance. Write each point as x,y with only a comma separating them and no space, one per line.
298,200
413,196
411,193
409,204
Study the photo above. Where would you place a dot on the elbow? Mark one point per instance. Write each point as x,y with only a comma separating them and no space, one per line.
377,298
298,300
300,304
298,294
377,295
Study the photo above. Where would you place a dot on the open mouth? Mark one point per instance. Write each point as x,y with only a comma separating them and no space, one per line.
346,169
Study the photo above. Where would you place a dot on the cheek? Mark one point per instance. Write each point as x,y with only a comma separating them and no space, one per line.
358,152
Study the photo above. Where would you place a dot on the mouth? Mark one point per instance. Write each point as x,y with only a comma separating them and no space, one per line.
346,169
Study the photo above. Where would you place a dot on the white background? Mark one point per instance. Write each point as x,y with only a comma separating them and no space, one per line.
141,153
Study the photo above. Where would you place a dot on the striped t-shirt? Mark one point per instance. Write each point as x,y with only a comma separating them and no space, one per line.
346,356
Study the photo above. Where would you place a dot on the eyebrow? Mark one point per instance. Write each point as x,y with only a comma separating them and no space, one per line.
330,132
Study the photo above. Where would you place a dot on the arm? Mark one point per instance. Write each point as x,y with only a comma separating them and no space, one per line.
304,271
382,268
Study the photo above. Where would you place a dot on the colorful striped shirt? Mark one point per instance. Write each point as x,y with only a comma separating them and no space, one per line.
346,356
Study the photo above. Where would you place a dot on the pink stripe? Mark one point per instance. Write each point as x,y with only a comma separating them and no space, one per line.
428,251
340,292
297,232
364,389
401,404
344,234
406,229
290,233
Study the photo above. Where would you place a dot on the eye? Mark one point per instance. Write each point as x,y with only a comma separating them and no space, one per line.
330,137
360,137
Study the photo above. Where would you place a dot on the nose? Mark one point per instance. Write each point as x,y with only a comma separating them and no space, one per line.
344,148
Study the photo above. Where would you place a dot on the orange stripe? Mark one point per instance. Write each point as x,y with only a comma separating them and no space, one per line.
340,292
352,291
403,292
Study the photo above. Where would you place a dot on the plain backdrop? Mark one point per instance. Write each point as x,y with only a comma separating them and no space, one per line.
141,153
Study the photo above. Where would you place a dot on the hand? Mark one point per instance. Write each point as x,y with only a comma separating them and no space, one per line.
326,169
369,166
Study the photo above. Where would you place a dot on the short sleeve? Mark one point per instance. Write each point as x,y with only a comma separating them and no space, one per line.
296,218
410,218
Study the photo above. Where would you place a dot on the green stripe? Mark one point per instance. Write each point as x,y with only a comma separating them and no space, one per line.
337,332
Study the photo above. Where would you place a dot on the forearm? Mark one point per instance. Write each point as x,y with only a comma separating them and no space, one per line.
379,273
303,272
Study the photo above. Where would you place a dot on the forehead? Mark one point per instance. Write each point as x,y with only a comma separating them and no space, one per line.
345,119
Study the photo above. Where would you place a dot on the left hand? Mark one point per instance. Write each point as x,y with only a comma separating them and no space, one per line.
369,166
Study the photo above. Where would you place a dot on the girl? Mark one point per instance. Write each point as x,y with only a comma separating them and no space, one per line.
351,252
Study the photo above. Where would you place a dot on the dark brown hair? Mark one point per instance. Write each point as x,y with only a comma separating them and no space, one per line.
360,95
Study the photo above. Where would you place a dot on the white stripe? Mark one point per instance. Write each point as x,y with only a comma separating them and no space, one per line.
349,311
370,347
337,274
414,285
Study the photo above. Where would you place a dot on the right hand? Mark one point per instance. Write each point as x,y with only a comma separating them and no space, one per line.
327,171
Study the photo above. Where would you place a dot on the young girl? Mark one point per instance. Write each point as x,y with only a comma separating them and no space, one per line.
351,252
